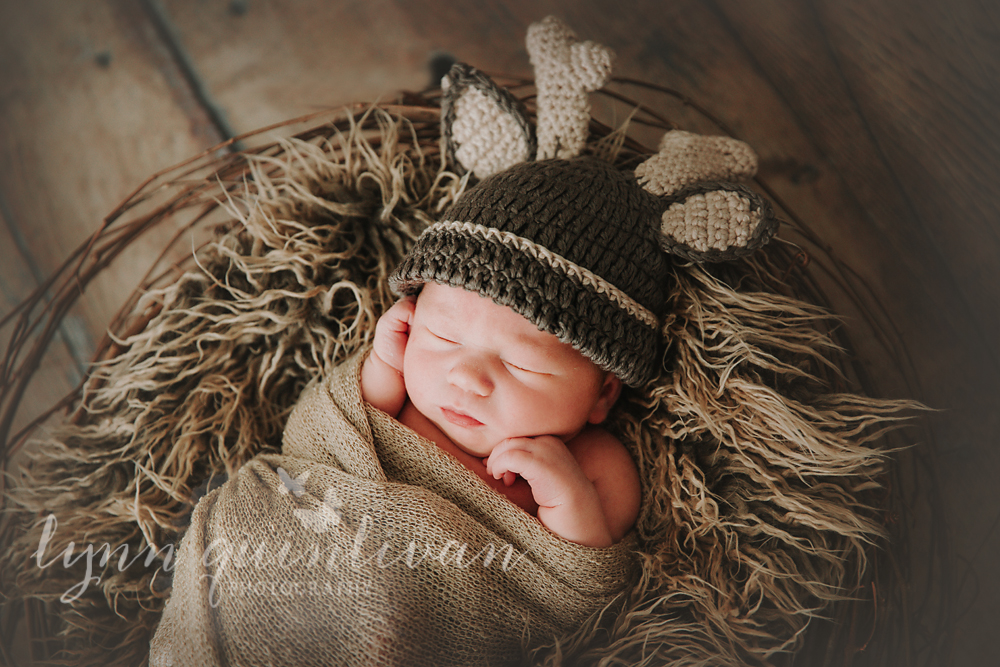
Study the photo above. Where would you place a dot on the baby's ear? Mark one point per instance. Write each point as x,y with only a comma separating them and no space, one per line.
706,216
484,129
611,389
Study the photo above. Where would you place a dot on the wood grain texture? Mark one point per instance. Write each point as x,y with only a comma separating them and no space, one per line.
280,60
90,105
902,101
60,370
875,122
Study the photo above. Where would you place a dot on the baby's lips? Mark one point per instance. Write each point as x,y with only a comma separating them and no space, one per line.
460,418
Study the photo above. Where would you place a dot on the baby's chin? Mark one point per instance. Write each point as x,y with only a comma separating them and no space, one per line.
482,447
478,447
466,439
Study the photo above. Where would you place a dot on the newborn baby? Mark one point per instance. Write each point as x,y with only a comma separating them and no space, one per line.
514,404
526,308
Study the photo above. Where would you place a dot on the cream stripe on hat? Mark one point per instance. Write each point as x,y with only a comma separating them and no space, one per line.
541,253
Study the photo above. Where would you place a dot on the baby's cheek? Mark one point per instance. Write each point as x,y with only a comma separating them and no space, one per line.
539,414
422,377
412,378
413,363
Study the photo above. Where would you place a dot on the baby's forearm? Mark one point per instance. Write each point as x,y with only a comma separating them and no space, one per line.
382,385
579,519
568,502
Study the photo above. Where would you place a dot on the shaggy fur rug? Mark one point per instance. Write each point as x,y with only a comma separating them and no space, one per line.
758,473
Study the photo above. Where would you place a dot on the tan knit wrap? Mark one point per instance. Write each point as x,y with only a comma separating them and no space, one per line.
375,550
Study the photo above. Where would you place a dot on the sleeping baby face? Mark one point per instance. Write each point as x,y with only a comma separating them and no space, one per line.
483,373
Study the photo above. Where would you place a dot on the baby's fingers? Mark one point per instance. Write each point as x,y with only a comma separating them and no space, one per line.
392,333
499,472
400,316
509,459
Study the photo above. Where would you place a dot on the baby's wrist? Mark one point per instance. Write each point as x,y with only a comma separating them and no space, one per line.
589,531
581,519
382,385
376,359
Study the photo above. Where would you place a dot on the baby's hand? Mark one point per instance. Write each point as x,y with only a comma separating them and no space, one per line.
392,331
568,503
382,374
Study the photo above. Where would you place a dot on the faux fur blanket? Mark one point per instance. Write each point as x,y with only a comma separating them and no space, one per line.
365,544
760,471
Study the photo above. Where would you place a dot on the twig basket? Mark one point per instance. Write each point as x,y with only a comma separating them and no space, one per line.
124,494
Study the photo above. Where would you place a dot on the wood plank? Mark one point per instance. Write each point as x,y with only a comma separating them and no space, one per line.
275,60
900,99
90,105
90,111
815,85
59,371
928,84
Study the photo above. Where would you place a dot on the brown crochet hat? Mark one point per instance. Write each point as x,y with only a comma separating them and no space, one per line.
571,245
576,246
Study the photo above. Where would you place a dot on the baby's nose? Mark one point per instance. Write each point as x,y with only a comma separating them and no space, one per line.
471,375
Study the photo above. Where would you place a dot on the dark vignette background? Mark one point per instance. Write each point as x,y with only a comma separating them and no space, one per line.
876,121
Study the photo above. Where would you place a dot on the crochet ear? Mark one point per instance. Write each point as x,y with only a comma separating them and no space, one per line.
565,71
484,129
706,217
715,222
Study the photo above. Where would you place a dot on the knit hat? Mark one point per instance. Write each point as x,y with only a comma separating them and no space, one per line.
576,246
568,244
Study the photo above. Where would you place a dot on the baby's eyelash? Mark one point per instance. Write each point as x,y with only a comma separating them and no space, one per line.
440,337
525,370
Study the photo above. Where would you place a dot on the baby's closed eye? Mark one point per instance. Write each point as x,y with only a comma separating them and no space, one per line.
443,337
523,367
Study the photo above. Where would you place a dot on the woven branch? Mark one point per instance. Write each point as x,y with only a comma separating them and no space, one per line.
758,476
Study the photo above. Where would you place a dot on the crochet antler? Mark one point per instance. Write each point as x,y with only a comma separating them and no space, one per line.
565,71
707,218
485,130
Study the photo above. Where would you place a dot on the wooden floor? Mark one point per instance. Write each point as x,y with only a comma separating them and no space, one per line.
876,121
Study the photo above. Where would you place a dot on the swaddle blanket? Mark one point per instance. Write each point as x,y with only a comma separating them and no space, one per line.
364,543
